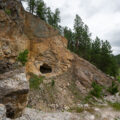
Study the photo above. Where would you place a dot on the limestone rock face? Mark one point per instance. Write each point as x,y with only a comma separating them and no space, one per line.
48,56
14,88
2,112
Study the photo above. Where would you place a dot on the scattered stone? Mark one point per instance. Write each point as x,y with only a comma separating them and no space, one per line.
113,98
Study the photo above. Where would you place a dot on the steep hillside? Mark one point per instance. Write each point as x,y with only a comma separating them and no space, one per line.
67,77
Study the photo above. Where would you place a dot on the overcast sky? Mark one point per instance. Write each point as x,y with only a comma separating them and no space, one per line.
101,16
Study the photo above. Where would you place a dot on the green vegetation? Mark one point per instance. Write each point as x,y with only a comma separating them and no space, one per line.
97,51
115,105
75,91
35,81
76,109
113,89
97,90
117,119
118,79
23,57
117,57
88,99
7,11
52,83
49,93
81,109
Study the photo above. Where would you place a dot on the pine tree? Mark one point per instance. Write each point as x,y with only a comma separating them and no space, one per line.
56,19
69,35
31,5
82,39
96,52
41,10
78,28
50,18
53,18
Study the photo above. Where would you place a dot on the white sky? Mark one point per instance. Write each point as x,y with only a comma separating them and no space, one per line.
101,16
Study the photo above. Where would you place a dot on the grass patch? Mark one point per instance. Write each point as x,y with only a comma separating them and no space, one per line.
76,109
35,81
52,83
75,91
81,109
113,89
115,105
23,57
29,106
118,79
97,90
118,118
88,99
7,11
49,94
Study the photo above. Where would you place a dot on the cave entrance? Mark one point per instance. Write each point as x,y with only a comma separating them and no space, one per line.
45,69
10,113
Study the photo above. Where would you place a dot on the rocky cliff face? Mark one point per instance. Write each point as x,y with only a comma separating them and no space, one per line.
48,56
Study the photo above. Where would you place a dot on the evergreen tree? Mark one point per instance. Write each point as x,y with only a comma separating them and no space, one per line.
69,35
49,16
108,63
31,5
41,10
38,7
82,39
53,18
56,19
117,57
78,28
96,52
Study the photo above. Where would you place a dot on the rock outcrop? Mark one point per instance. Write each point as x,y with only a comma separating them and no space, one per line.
48,56
14,89
2,112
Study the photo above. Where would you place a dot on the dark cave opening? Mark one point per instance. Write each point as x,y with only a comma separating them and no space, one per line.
10,113
45,69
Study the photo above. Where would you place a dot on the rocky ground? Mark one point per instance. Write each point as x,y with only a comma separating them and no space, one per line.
95,113
88,113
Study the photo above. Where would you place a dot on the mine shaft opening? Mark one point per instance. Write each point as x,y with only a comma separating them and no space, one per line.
44,69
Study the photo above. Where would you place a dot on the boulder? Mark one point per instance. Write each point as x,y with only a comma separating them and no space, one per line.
14,88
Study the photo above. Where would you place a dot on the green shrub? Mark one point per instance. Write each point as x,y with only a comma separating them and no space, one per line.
117,118
52,83
35,81
115,105
113,89
97,90
7,11
76,109
118,79
23,57
88,99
